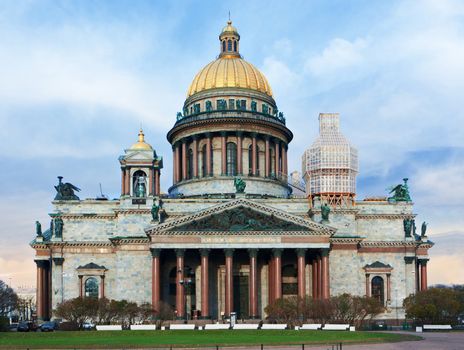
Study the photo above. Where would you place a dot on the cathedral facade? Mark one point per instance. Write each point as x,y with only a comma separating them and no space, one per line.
235,231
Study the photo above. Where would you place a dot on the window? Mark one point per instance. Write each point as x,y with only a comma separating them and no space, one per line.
190,164
243,104
91,288
221,105
231,103
377,289
223,46
203,161
229,45
231,155
235,46
139,184
289,280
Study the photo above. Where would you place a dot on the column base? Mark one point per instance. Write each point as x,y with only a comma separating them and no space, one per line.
204,317
254,317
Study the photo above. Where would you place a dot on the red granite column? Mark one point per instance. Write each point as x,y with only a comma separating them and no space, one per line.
388,287
253,283
319,277
271,280
204,283
368,290
267,160
157,183
423,274
314,277
81,287
229,295
301,263
277,273
151,183
325,274
39,290
195,156
184,160
223,154
209,170
178,163
239,153
277,159
180,286
253,155
123,182
128,182
174,165
102,289
155,278
46,292
284,160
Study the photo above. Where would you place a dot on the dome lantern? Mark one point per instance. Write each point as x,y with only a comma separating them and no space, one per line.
229,39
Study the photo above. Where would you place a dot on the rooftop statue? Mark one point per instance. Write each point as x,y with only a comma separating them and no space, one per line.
423,229
239,185
325,211
65,191
400,192
58,227
38,229
408,225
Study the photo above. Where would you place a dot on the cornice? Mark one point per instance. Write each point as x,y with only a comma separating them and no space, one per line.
385,216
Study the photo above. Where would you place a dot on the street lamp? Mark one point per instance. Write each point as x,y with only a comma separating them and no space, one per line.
186,283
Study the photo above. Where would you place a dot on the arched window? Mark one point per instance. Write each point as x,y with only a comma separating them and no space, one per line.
377,289
289,280
229,45
250,160
91,288
231,155
235,46
190,164
223,46
139,184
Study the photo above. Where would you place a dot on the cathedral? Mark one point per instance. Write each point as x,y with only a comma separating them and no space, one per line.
235,231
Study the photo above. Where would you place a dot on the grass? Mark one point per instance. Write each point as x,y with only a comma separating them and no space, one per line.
153,339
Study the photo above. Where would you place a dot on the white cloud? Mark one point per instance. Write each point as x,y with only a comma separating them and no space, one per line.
339,54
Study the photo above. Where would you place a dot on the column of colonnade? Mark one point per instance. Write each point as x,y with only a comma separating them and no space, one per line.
43,289
182,147
319,262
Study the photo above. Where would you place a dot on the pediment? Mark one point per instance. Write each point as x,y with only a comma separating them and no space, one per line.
139,155
241,216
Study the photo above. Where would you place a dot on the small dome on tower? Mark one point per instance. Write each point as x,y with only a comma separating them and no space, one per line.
141,144
229,30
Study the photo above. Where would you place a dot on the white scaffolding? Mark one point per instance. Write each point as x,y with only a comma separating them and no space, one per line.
330,165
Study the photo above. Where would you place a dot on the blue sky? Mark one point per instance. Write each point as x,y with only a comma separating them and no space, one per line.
78,78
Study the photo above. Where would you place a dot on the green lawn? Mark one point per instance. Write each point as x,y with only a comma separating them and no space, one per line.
153,339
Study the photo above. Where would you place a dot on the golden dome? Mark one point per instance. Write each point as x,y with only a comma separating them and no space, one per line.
141,144
230,72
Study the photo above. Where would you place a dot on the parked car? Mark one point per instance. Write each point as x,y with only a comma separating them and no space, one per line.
13,327
48,326
23,327
88,326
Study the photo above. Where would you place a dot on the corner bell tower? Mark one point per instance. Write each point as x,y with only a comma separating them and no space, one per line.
140,170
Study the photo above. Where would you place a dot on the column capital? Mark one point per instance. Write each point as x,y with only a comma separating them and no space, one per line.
423,262
194,137
208,134
277,252
240,133
223,133
58,261
253,252
301,252
229,252
409,259
155,252
204,252
254,134
41,263
325,251
180,253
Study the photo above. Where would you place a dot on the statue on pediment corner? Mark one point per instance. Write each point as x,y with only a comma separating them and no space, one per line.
65,191
240,185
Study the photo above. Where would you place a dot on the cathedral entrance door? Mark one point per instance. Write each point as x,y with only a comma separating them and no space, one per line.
241,296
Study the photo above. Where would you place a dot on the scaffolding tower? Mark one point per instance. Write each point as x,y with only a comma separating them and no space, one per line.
330,165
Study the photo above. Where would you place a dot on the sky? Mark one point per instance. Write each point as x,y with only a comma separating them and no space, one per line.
79,78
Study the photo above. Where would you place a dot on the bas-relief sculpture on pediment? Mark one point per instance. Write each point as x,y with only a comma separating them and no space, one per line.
239,219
